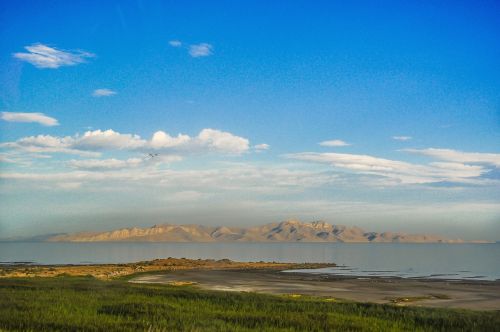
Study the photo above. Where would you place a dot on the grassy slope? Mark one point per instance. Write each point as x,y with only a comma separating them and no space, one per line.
77,303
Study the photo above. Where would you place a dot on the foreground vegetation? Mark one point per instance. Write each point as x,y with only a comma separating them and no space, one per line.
88,304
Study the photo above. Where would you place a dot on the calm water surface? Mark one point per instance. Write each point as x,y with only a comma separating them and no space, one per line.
447,261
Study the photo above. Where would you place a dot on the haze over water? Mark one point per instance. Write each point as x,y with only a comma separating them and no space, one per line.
444,261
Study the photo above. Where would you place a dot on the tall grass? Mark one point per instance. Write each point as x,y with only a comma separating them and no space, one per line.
87,304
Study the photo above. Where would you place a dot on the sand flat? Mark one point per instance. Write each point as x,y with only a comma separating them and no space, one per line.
477,295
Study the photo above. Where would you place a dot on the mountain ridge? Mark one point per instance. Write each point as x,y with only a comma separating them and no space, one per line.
285,231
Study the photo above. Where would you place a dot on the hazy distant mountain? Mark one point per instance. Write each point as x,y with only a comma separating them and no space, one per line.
36,238
286,231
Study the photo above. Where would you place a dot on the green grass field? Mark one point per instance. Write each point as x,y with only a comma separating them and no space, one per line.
87,304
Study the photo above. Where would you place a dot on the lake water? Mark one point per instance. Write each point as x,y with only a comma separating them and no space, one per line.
446,261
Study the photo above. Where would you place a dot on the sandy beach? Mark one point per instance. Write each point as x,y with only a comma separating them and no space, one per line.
476,295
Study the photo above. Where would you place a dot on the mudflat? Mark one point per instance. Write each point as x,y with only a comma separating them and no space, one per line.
476,295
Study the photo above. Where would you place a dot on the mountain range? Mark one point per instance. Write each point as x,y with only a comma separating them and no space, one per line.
285,231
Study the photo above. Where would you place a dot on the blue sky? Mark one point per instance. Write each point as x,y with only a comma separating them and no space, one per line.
406,95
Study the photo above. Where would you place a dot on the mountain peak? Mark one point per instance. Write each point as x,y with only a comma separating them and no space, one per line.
320,224
291,222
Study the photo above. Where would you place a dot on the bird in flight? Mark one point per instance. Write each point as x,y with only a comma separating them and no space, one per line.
152,155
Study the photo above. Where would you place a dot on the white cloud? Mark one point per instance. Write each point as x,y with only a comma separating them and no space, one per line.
402,138
175,43
261,147
107,140
29,117
200,50
43,56
397,171
103,93
333,143
217,140
459,156
162,139
208,140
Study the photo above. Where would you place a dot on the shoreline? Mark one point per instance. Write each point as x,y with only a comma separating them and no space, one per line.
288,279
448,277
186,263
473,294
330,276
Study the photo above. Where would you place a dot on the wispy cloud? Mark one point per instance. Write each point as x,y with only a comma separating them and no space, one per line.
29,117
459,156
117,164
105,164
46,144
402,138
103,93
333,143
399,172
43,56
261,147
231,178
194,50
175,43
200,50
